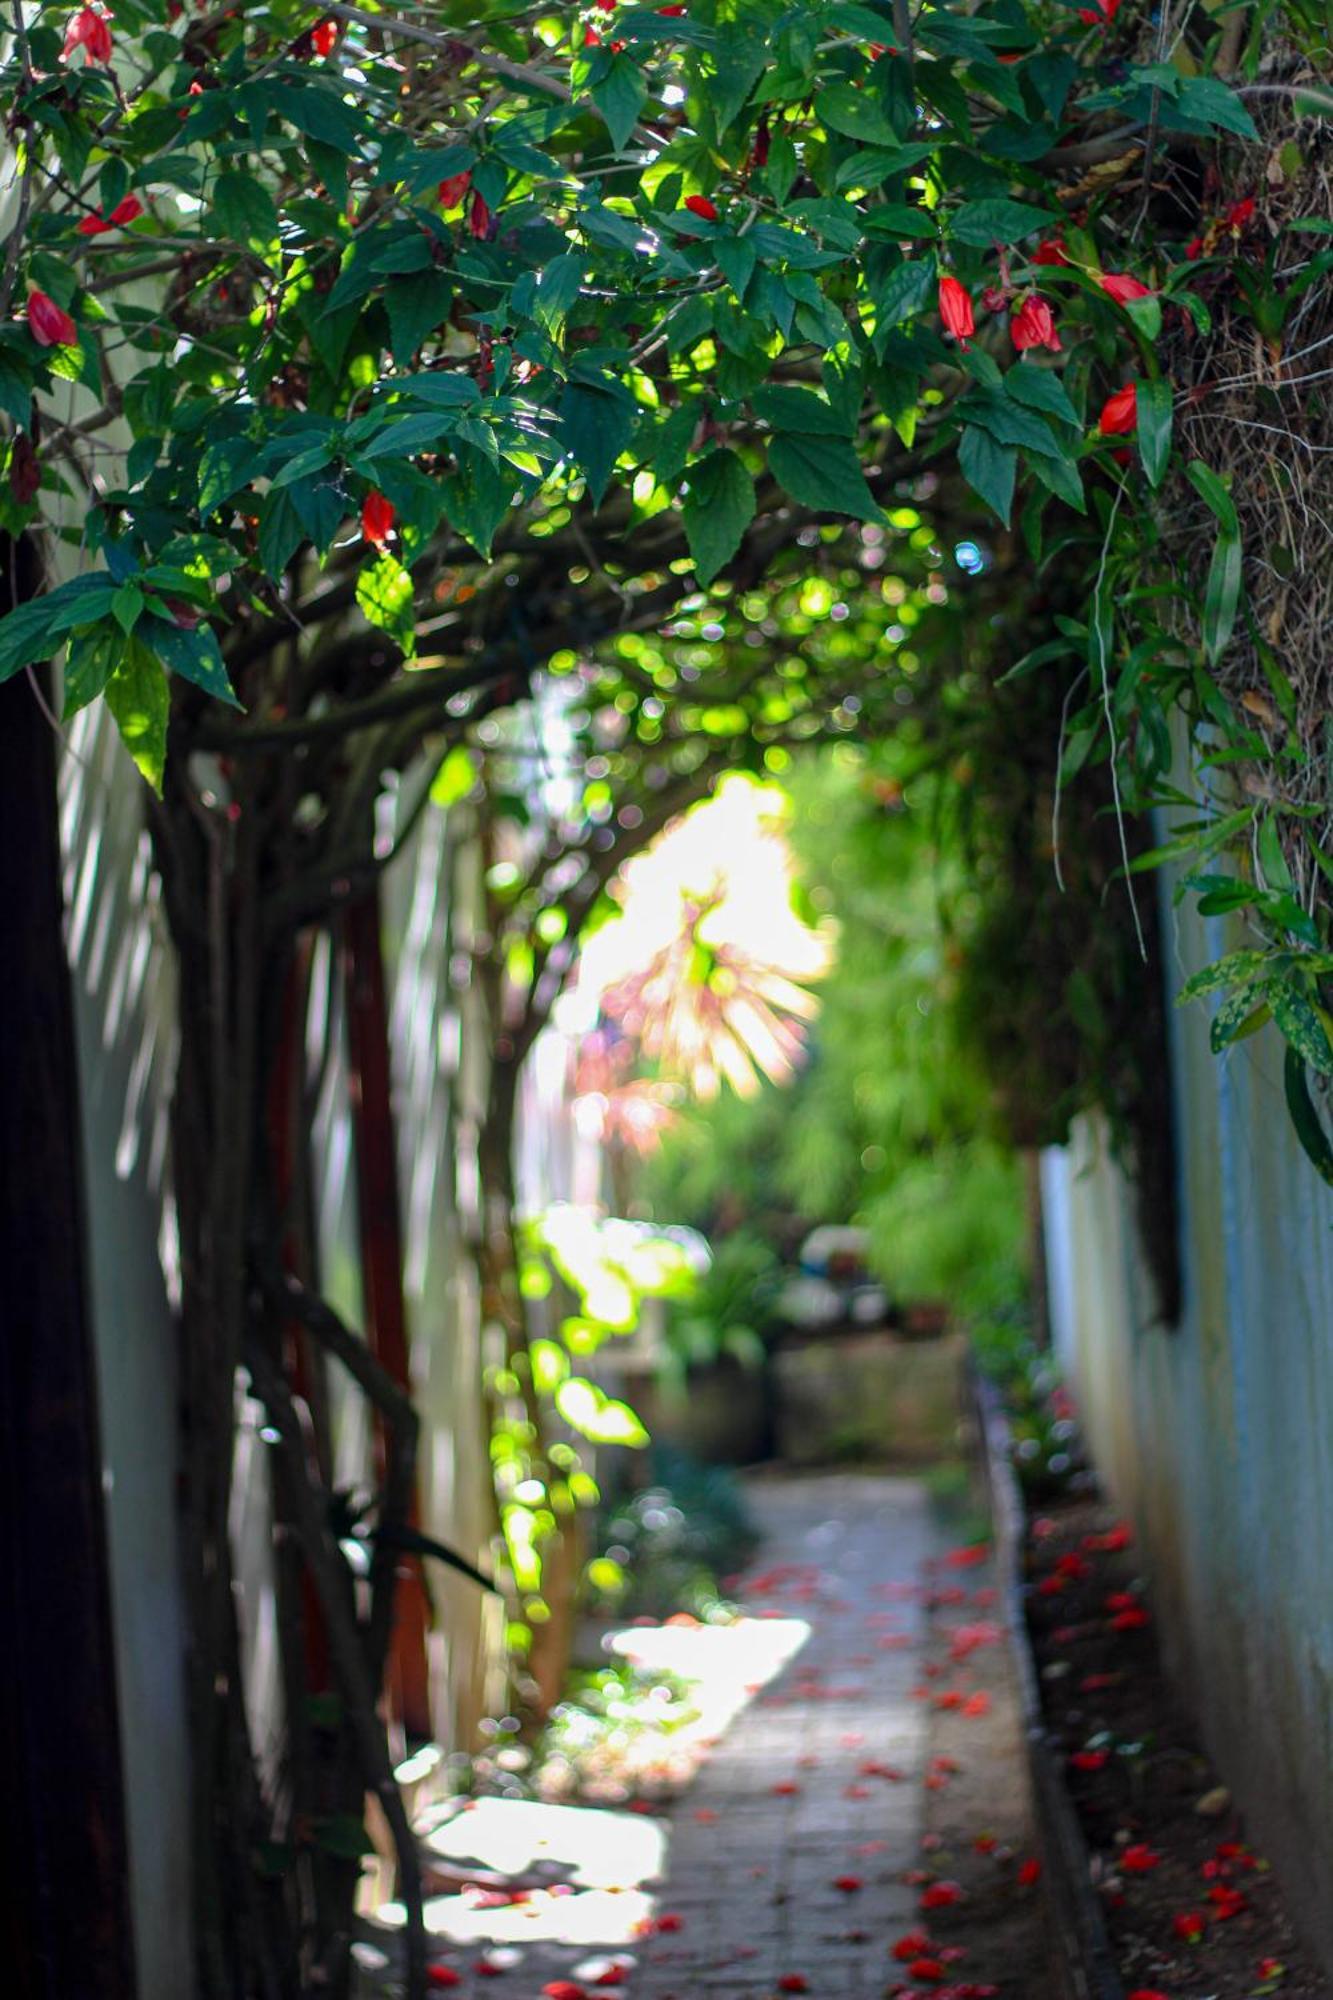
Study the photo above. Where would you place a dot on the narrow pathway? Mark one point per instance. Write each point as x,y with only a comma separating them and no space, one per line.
787,1854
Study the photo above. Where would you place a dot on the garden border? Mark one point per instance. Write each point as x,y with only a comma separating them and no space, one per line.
1087,1963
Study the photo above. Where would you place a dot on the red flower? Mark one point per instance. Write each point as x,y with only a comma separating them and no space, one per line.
1033,326
324,37
911,1945
700,205
443,1975
941,1896
785,1790
377,517
976,1553
1030,1872
1050,252
1271,1968
1101,15
451,191
849,1884
985,1843
563,1989
1226,1902
1239,213
977,1704
1140,1859
759,150
1118,285
1146,1993
669,1921
90,31
1090,1760
49,324
123,212
1137,1618
1120,413
956,310
1194,249
790,1982
929,1969
1189,1925
479,216
672,13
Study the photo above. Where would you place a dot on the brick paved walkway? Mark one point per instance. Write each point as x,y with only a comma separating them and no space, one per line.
753,1865
784,1858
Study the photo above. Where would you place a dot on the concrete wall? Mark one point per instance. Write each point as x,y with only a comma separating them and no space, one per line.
1216,1436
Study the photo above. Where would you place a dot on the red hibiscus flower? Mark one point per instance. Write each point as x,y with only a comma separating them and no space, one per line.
929,1969
89,30
1118,285
1239,213
1146,1993
479,217
1033,326
976,1552
49,324
1052,251
1120,413
1139,1859
1271,1968
451,191
443,1975
956,310
563,1989
1030,1872
1101,15
1089,1760
790,1982
324,37
700,205
123,212
1135,1619
849,1884
941,1896
1189,1925
669,1921
912,1944
377,517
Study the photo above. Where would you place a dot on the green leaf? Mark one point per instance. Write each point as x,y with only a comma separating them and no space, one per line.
455,778
989,469
136,694
193,653
788,409
225,467
1040,388
824,473
719,507
90,661
245,210
280,533
127,606
1239,1016
1207,101
997,220
619,97
416,306
1210,488
1228,971
1299,1021
596,425
1221,596
908,289
1304,1117
1155,410
385,595
477,497
854,113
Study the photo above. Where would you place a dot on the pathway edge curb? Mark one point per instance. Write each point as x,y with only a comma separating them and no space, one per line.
1087,1965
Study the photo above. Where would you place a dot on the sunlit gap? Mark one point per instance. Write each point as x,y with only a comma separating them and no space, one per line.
524,1872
